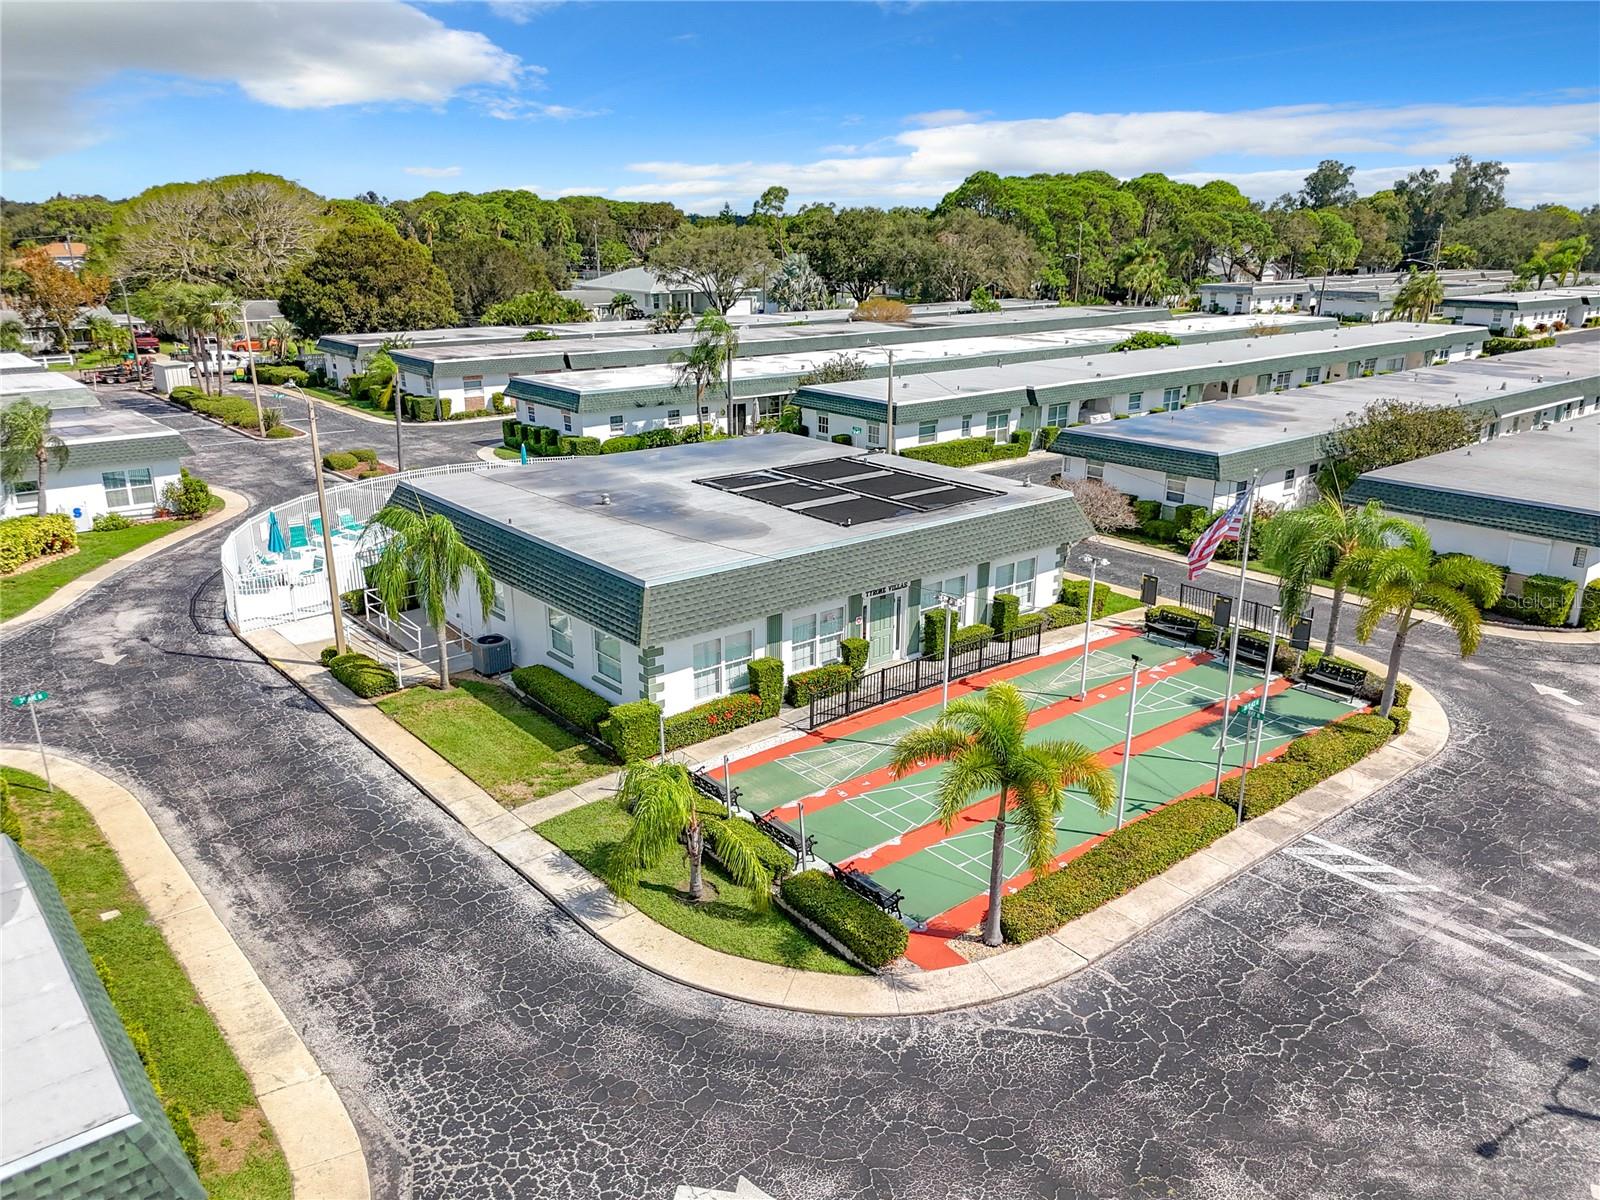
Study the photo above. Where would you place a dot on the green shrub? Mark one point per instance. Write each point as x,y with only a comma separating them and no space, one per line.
1205,635
1120,863
1028,622
853,651
777,861
968,452
187,496
1166,531
1510,345
632,730
1003,612
339,461
329,653
23,539
965,637
1545,600
363,675
1047,436
281,431
511,433
1075,592
621,444
806,686
869,933
182,1125
842,439
654,439
185,396
363,454
568,699
580,445
1589,614
1308,761
712,719
1186,516
1401,719
110,522
1059,616
278,376
1145,511
1269,785
766,681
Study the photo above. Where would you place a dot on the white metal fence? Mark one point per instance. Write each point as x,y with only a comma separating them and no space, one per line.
264,589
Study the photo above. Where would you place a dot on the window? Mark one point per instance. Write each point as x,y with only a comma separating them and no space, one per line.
1016,578
1580,555
1313,374
721,666
1240,488
1058,414
822,422
560,632
966,425
1094,468
998,426
874,435
1352,369
1263,383
705,411
814,639
1370,365
1282,381
472,385
126,489
1394,364
616,422
674,416
1135,401
1288,476
24,489
927,431
497,601
1174,489
566,422
608,657
1172,398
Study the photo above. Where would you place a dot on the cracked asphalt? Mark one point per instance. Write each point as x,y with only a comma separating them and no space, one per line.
1418,1027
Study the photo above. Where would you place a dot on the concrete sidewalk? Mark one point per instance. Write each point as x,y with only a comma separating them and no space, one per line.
1006,973
299,1101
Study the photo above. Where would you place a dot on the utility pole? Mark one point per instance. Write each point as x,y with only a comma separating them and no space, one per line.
327,529
1077,274
888,402
1233,638
255,385
1088,621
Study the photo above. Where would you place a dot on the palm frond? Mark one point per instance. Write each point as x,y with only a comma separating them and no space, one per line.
968,778
919,747
660,800
742,862
1459,613
1076,766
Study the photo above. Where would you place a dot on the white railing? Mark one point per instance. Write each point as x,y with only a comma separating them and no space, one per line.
263,589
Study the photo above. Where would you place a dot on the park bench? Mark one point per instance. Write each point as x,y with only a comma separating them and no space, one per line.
866,886
711,787
1253,649
1183,629
780,831
1336,677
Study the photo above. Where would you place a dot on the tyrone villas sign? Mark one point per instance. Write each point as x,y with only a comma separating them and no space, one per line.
893,587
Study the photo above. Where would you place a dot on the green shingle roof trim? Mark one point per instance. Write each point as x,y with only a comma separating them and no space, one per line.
124,451
1491,512
540,360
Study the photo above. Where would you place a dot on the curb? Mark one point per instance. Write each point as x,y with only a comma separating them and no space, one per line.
69,593
299,1101
1047,960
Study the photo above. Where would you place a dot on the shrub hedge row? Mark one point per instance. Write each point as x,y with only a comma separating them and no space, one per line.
632,730
871,934
714,717
806,686
853,650
1118,864
1004,609
1059,616
278,376
766,681
968,452
569,700
1589,614
362,674
1308,761
964,638
1545,600
778,861
230,410
23,539
1509,345
1075,593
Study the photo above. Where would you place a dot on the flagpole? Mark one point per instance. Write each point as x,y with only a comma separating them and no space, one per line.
1233,637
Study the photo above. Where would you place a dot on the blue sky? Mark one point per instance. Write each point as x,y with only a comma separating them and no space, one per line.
702,103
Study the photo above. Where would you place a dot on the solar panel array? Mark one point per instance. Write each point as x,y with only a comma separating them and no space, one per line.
847,491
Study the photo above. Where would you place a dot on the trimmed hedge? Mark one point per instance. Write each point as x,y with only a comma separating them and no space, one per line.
967,452
1401,719
806,686
853,651
230,410
364,454
869,933
1509,345
580,446
1204,636
766,681
1308,761
281,431
1545,600
339,461
1075,592
632,730
569,700
1028,622
1589,614
621,444
329,653
842,439
363,675
1059,616
1118,864
714,717
964,638
23,539
1003,612
278,376
1371,691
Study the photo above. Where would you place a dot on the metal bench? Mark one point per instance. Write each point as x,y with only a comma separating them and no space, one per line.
1182,629
1253,650
1336,677
785,834
711,787
869,888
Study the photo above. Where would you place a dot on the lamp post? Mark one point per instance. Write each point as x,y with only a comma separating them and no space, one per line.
1127,744
327,528
1266,688
888,396
949,604
1094,564
255,385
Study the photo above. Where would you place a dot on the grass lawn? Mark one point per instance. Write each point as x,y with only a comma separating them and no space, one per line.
240,1157
1116,602
19,593
345,400
502,745
502,452
729,923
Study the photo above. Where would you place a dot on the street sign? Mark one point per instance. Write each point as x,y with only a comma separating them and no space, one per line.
30,701
1249,706
30,698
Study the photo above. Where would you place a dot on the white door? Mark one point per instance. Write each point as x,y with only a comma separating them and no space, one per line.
1528,556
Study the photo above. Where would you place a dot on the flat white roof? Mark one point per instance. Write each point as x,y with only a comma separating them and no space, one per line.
1543,295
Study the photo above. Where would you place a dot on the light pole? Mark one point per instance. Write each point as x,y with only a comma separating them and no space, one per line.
1266,688
1127,744
255,385
1233,637
948,603
888,397
327,528
1094,564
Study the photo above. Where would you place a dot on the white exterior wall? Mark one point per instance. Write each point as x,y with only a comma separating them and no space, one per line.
81,494
634,420
1522,553
340,367
1572,311
907,433
453,387
1274,487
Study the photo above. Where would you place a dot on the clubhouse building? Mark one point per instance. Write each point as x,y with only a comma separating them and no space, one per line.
1547,309
659,574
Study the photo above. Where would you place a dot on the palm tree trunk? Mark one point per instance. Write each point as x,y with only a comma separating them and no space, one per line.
695,838
1402,627
444,655
1334,609
39,457
997,868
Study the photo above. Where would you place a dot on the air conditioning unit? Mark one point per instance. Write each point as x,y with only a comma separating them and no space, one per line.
491,654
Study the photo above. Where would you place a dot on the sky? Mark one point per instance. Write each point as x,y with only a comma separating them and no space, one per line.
702,104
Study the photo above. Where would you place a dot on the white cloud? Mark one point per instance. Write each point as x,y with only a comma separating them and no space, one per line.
434,172
520,12
1549,148
515,108
946,116
61,62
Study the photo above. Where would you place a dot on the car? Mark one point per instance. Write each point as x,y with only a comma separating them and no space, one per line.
146,341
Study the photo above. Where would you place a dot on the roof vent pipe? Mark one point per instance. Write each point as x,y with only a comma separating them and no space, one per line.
605,498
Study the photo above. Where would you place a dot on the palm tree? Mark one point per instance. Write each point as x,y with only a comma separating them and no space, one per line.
619,304
1305,544
278,333
219,320
425,557
1142,271
666,814
1418,296
715,332
13,336
27,445
1400,577
982,739
701,365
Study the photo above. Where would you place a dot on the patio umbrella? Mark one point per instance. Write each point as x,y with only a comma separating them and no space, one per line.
524,450
275,544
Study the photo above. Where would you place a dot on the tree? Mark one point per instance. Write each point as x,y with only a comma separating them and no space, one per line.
1397,579
485,270
1476,188
1305,544
1146,339
841,368
278,334
982,740
363,279
106,334
712,352
794,286
1142,272
56,294
424,557
666,814
13,336
769,211
1394,431
720,261
28,447
962,252
1418,297
1328,185
1107,509
542,307
850,249
1334,244
982,302
219,320
1458,255
620,305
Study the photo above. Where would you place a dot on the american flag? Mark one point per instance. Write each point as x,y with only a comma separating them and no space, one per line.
1227,525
